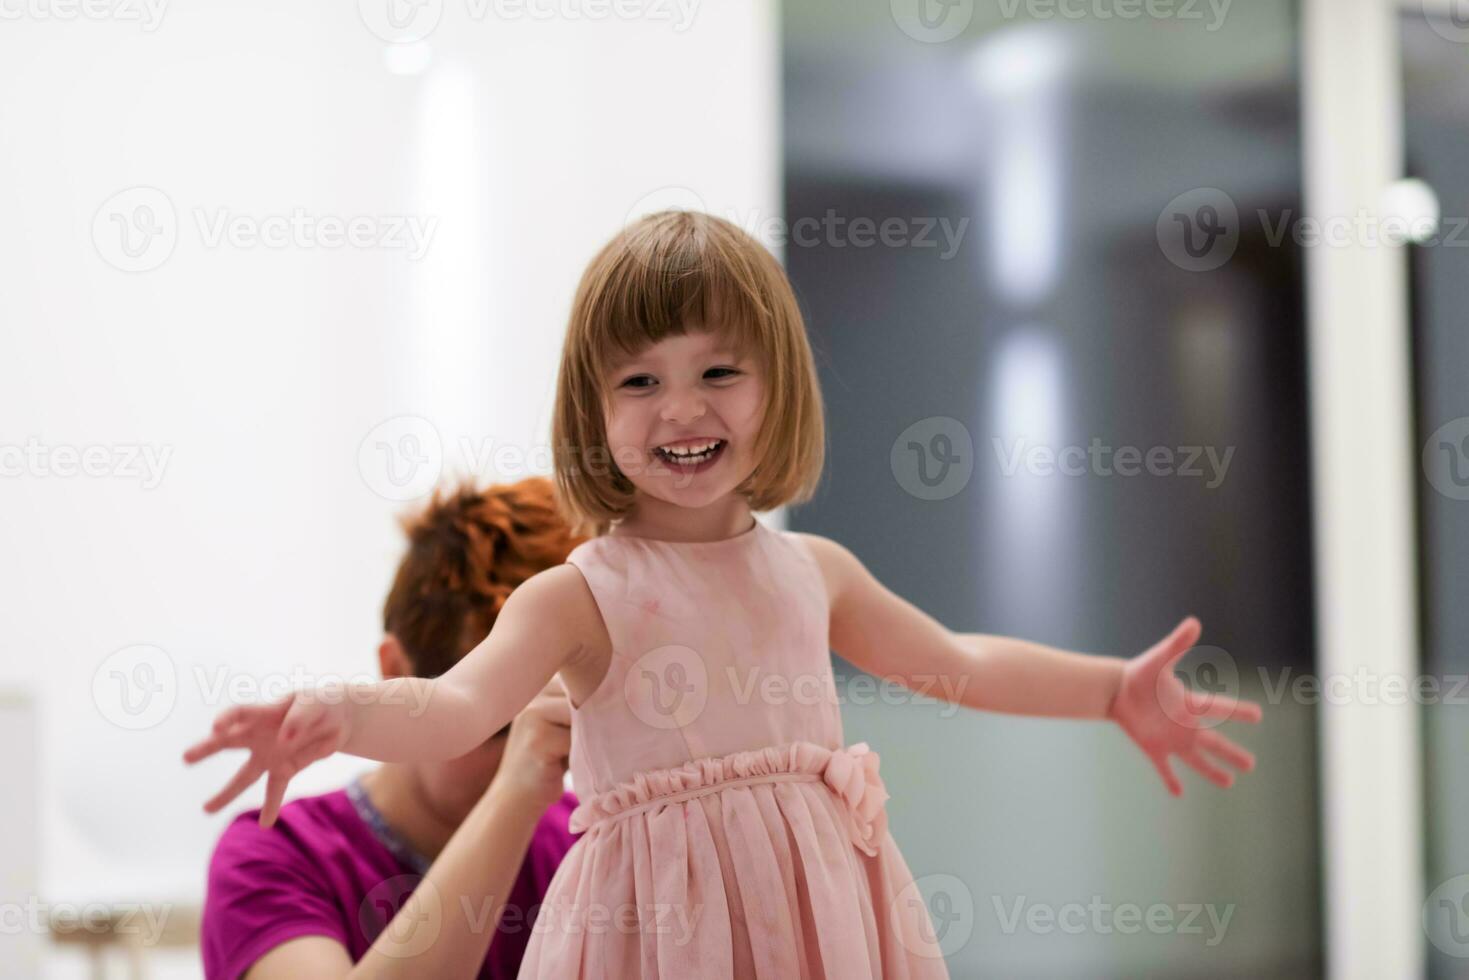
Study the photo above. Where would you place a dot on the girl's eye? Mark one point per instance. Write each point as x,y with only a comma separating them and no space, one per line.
715,374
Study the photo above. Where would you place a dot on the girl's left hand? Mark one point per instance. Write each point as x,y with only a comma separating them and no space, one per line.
1163,716
284,736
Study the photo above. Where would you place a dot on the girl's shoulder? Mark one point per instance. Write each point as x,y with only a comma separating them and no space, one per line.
836,563
556,606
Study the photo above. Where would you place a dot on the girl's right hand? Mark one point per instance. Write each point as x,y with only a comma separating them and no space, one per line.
283,737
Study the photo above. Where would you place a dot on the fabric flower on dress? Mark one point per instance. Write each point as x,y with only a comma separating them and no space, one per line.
852,773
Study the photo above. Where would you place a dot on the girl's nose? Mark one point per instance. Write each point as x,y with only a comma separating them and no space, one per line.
683,409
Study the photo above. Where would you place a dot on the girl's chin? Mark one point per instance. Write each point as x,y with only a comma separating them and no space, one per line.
669,491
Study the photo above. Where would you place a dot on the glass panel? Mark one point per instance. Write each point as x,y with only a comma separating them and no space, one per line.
1083,278
1436,134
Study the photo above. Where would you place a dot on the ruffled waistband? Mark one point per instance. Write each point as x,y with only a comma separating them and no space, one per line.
851,773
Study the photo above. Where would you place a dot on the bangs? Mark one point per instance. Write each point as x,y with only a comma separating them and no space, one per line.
676,275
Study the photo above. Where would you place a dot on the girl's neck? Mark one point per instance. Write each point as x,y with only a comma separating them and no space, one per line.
652,518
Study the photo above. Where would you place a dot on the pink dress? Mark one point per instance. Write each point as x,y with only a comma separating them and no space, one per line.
728,832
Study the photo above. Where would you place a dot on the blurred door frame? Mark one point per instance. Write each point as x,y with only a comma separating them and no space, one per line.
1365,468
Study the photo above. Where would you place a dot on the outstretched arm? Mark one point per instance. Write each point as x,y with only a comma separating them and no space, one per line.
542,627
887,636
421,719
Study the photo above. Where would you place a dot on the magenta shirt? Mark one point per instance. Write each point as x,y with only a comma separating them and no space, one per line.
323,870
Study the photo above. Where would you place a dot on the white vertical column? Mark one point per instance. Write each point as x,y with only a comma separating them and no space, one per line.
1363,467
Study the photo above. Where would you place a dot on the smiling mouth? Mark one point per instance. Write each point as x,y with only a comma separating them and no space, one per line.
691,459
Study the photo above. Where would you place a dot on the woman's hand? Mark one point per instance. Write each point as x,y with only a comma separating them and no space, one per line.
536,755
283,737
1163,716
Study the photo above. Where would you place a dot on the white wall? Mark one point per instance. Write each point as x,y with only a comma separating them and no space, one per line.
254,373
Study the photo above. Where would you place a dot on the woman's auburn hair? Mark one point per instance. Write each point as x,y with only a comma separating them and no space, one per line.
667,274
468,549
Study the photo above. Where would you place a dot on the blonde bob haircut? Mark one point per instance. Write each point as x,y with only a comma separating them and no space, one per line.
664,275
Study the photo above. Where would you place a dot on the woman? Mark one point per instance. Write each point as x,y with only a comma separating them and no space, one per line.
405,871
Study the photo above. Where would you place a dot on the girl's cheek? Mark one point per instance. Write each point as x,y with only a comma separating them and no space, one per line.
751,403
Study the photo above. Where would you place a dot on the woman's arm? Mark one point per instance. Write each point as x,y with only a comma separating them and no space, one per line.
459,903
460,900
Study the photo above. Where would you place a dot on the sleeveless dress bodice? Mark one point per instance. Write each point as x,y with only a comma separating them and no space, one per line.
718,647
727,831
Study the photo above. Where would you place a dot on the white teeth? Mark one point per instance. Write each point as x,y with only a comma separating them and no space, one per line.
692,454
697,450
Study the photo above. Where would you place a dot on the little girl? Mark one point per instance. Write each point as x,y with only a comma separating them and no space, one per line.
728,830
